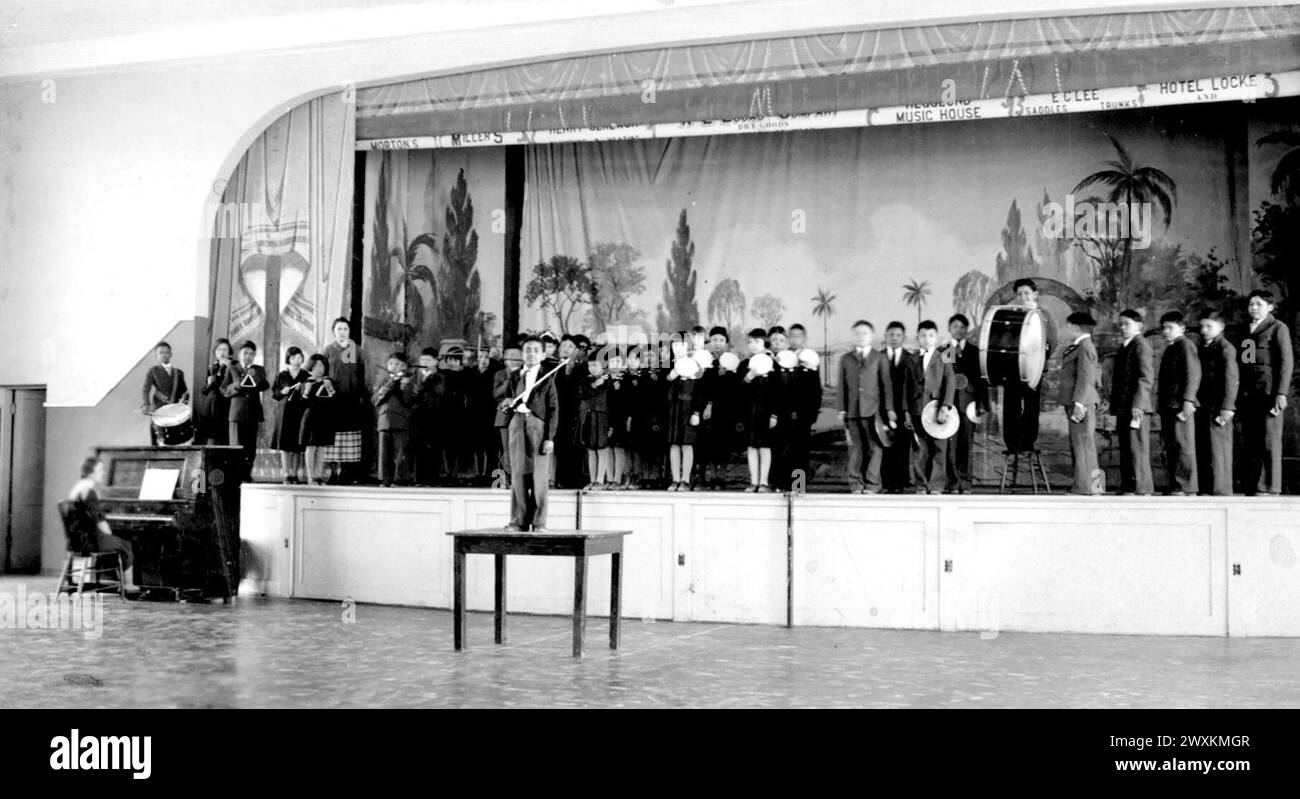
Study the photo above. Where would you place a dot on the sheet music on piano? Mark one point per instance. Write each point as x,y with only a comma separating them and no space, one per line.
159,483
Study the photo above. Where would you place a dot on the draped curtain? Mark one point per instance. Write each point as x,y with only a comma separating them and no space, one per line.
281,260
839,71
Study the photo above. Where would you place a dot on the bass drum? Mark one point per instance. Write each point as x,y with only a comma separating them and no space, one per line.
1013,346
174,424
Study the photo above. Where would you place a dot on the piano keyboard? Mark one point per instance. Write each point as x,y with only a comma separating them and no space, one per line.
138,518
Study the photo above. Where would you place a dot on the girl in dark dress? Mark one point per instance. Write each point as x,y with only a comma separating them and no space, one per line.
785,407
316,428
286,391
643,418
682,417
718,389
756,406
211,407
781,389
620,408
652,440
593,423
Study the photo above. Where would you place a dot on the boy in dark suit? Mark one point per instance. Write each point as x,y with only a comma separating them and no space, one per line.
964,355
864,391
244,383
534,418
394,400
1130,401
570,457
164,384
1266,364
425,451
453,414
897,469
514,360
1217,396
1021,404
1177,385
931,378
1081,392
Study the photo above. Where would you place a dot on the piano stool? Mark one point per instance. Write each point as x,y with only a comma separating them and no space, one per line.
89,564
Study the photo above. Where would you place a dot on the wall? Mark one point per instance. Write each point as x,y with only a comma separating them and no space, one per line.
72,434
105,175
971,563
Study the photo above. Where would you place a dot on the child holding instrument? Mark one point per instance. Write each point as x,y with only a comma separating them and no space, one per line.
286,392
683,417
757,409
244,383
211,407
620,408
593,423
316,429
393,401
164,384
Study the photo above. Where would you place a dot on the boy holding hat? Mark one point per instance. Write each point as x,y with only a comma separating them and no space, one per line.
1080,393
930,379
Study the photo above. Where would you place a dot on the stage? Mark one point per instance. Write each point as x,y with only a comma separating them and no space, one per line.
1127,565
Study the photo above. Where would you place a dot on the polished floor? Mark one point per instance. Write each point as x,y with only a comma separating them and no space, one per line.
297,653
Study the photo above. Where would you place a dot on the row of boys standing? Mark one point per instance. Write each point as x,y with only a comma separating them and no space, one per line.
1198,391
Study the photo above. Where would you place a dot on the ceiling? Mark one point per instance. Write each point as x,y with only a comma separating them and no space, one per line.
41,37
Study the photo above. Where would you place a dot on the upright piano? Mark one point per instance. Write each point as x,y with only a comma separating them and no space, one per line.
187,545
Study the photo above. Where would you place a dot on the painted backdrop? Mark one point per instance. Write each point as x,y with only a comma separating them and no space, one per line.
900,223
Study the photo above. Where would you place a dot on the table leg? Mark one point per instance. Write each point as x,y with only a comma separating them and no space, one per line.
458,613
615,597
579,603
501,599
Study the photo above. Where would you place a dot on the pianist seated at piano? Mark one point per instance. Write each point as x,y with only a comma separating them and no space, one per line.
93,527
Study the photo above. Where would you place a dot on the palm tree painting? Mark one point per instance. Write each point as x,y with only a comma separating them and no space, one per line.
413,267
1128,184
1285,180
824,306
915,293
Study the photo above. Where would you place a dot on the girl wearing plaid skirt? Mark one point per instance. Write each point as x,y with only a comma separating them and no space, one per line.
347,371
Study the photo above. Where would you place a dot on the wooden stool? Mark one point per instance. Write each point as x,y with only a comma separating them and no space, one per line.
89,573
1011,461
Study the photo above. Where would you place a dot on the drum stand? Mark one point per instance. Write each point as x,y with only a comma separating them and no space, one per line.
1011,462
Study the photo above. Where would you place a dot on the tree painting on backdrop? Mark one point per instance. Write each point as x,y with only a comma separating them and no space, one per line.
433,257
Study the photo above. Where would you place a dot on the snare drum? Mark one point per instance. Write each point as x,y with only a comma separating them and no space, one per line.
1013,346
174,424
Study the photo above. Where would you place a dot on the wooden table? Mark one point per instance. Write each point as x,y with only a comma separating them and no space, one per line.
577,544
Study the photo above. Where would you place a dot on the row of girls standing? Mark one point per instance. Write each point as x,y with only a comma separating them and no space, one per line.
697,405
324,407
